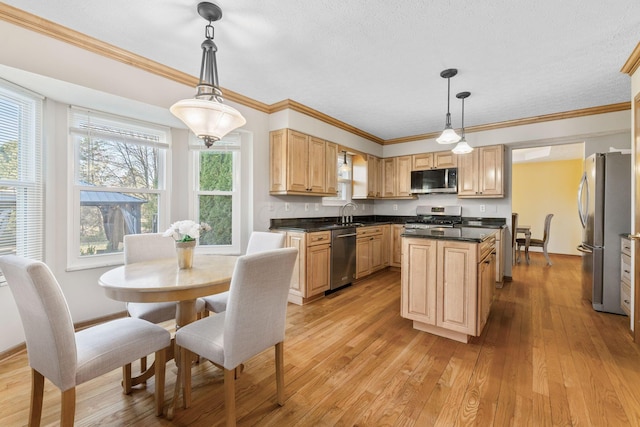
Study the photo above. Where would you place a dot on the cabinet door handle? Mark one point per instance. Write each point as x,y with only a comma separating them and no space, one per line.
627,301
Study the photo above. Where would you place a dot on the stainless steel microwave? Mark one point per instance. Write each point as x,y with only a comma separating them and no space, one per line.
434,181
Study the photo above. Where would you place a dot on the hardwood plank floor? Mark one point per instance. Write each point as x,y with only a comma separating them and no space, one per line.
544,358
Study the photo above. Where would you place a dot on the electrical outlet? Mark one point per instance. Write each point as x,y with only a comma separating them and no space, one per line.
483,208
286,206
306,207
316,206
395,207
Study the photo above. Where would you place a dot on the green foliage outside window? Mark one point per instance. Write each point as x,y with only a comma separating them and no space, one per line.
216,176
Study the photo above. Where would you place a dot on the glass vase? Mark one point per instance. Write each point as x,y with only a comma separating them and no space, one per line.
185,254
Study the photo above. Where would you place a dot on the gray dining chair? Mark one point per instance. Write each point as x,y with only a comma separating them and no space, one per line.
68,358
259,241
541,243
253,322
149,247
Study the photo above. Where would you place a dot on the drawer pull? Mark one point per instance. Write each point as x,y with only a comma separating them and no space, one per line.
627,301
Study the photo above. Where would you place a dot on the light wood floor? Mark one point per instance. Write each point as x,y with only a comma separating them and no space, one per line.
545,358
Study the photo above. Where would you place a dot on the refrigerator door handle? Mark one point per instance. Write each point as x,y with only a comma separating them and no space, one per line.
582,213
585,250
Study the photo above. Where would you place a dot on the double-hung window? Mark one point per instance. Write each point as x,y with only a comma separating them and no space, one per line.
216,194
119,184
21,189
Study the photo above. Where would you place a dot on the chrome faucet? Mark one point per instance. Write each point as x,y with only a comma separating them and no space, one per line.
347,219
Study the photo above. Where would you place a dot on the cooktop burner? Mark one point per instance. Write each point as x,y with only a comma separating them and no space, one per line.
436,216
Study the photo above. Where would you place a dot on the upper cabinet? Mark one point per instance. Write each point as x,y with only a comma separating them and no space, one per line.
437,160
480,173
367,177
301,164
376,178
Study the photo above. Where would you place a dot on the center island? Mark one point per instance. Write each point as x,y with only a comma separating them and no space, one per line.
448,279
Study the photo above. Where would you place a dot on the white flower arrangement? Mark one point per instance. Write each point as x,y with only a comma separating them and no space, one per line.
186,230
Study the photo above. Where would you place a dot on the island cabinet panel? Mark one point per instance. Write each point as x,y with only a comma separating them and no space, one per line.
418,280
457,286
396,245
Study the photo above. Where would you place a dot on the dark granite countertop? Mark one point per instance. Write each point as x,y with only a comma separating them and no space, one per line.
463,234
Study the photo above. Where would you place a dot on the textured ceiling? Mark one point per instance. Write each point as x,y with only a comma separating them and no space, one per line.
376,65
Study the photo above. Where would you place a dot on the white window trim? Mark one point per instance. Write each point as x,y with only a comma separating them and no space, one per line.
74,260
195,146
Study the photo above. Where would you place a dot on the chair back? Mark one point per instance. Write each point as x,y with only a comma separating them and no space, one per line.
261,241
48,328
514,227
257,307
148,247
547,227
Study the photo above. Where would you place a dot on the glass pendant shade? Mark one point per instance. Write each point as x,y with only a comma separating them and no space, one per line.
449,136
344,167
205,114
462,147
208,119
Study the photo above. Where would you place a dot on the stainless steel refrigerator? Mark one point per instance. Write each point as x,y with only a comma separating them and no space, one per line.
604,206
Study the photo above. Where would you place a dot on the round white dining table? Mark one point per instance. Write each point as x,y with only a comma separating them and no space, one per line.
161,281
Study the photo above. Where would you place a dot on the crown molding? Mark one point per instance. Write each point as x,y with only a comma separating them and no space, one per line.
51,29
633,62
611,108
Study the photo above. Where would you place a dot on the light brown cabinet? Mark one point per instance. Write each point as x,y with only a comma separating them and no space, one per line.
300,164
311,274
367,177
625,275
436,160
480,173
396,177
396,245
447,286
369,250
500,257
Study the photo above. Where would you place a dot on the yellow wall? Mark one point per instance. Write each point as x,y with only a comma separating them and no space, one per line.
549,187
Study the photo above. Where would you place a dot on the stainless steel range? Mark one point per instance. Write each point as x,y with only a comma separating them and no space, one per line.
436,217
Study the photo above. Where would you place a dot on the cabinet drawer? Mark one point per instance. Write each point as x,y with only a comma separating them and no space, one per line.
486,247
625,298
318,238
368,231
625,268
625,246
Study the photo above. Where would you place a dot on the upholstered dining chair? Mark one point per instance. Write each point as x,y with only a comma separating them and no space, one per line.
541,243
259,241
69,358
253,322
148,247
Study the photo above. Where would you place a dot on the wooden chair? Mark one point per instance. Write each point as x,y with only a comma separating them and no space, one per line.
259,241
69,358
541,243
514,233
253,322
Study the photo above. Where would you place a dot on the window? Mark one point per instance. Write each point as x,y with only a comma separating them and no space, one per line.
345,189
21,191
216,198
118,184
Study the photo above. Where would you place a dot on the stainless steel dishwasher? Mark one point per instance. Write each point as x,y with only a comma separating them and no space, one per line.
343,257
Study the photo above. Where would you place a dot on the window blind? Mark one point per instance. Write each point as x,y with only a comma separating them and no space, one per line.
21,173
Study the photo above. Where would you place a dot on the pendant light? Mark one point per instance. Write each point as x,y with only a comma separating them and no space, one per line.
205,114
344,167
462,147
449,136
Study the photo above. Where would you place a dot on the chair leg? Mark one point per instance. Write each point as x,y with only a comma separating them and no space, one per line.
185,365
126,379
546,255
37,389
68,411
230,396
160,367
280,372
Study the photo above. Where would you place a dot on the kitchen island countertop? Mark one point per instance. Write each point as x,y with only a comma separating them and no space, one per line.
463,234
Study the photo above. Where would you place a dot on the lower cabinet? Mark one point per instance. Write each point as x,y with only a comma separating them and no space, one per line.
311,273
369,250
447,286
396,245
